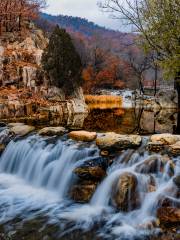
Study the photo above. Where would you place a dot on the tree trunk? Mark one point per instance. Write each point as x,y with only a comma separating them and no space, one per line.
177,87
155,80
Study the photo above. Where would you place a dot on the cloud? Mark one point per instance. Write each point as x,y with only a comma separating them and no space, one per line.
82,8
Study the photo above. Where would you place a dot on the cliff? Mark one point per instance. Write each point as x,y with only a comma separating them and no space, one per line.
24,89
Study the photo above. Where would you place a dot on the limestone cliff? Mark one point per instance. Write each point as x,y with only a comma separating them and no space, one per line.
24,90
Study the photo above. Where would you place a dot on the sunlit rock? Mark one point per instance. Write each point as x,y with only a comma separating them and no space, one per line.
51,131
94,169
167,99
166,138
113,141
83,191
83,136
168,215
22,130
125,192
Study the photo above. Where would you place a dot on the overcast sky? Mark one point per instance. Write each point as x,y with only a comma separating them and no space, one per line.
82,8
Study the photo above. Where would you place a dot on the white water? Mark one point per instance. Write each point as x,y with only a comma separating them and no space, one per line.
35,176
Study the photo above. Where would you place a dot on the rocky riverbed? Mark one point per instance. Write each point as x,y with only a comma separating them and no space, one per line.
57,184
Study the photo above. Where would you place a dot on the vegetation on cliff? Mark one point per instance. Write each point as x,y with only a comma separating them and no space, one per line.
61,61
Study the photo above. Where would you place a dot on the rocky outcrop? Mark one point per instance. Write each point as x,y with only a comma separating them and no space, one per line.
113,141
51,131
125,193
28,87
83,136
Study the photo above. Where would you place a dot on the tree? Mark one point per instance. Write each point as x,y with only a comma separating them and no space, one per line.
61,61
14,12
158,23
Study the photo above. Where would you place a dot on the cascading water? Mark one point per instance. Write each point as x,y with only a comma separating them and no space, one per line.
37,173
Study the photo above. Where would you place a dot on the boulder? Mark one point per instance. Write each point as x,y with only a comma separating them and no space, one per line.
113,141
2,124
93,169
125,192
22,130
15,124
83,136
165,138
83,192
51,131
175,148
155,164
5,137
169,215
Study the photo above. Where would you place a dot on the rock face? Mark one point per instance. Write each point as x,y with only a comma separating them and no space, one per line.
168,215
83,136
26,87
113,141
51,131
93,169
22,130
125,193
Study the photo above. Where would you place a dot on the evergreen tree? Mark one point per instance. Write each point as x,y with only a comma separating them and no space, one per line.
61,61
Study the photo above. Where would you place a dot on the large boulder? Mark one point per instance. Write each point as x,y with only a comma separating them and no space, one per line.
51,131
113,141
22,130
82,192
83,136
125,192
169,216
93,169
155,164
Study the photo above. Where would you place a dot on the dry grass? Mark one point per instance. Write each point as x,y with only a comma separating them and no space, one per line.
102,99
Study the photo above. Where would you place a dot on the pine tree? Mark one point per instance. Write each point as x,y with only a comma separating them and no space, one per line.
61,61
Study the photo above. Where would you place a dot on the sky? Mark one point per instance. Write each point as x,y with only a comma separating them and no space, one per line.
83,8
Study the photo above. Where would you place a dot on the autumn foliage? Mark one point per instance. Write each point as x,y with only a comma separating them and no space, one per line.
13,13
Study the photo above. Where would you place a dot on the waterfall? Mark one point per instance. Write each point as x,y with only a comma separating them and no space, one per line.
41,164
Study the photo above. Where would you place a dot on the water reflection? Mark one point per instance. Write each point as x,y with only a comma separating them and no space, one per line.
131,120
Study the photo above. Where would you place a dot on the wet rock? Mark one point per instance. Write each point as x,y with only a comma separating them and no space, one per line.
22,130
125,194
6,136
94,169
51,131
113,141
176,180
83,136
169,215
175,148
155,164
83,191
2,148
165,139
2,124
